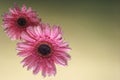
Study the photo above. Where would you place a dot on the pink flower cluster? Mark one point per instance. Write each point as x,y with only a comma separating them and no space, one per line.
41,45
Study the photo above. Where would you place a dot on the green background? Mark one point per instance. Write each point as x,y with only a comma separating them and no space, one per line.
92,28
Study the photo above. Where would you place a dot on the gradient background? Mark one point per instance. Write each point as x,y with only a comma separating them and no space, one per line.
92,29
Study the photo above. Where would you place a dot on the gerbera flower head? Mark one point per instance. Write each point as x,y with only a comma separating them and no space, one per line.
43,48
18,19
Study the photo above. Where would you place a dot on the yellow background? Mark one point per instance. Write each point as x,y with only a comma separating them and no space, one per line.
92,28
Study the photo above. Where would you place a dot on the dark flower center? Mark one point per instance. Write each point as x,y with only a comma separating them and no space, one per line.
44,49
21,21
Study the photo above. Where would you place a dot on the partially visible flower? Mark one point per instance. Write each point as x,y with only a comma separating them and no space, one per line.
42,48
18,19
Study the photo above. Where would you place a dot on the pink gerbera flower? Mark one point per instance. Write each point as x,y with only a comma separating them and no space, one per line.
17,20
42,48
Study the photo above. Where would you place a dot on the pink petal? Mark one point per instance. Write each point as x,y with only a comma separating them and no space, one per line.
52,70
63,44
65,55
29,10
47,30
63,49
26,37
24,54
24,45
58,37
11,10
24,8
34,63
55,32
30,31
26,61
44,71
37,69
38,30
60,60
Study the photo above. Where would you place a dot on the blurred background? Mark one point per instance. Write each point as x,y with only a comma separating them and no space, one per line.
92,28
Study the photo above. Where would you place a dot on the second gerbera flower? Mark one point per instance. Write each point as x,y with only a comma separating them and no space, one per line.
43,48
17,20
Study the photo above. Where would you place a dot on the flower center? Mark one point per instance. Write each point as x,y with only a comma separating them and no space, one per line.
21,21
44,49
